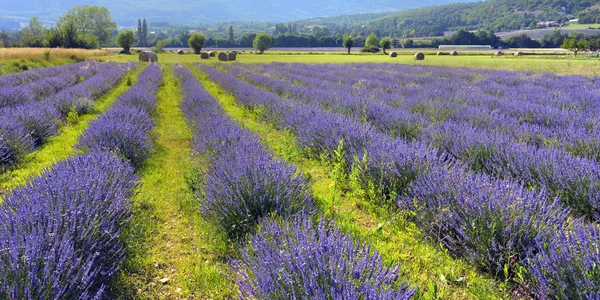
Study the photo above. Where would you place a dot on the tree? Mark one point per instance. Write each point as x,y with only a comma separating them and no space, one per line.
408,43
184,37
67,35
126,39
139,33
91,20
35,34
5,39
553,40
463,37
522,41
262,42
231,35
144,33
574,45
348,42
594,45
385,43
372,40
246,39
196,42
159,47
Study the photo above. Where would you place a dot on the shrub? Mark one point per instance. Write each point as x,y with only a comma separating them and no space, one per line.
60,234
494,224
244,183
301,260
121,138
39,119
369,50
124,129
243,186
15,142
567,266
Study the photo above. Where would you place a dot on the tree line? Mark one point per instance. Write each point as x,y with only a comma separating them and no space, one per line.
81,27
92,27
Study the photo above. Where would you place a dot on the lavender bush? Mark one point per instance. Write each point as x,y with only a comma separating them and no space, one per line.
28,123
33,75
244,183
494,224
124,129
39,119
480,118
302,260
478,121
15,142
81,96
59,235
567,267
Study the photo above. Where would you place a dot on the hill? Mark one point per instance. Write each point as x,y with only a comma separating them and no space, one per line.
126,12
497,15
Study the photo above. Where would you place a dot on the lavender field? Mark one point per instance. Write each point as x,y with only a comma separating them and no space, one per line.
299,181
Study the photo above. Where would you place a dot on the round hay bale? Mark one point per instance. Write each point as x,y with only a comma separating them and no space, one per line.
212,53
518,53
180,52
234,52
454,53
393,54
148,56
204,55
231,56
499,53
419,56
222,56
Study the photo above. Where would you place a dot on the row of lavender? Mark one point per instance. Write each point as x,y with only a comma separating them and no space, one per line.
497,224
491,150
32,75
13,95
60,234
545,100
124,129
32,120
291,257
531,108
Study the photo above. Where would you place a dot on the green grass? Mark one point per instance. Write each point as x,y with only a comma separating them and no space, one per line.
398,240
167,239
561,64
577,26
60,147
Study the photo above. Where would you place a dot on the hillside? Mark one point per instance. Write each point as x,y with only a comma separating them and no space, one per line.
126,12
497,15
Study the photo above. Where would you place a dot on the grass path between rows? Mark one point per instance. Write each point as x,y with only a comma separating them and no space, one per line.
172,253
62,146
438,275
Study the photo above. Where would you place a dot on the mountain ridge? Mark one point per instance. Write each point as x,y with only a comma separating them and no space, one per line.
181,12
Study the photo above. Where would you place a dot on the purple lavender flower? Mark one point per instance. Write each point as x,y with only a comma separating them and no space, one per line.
124,129
60,234
303,260
244,183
